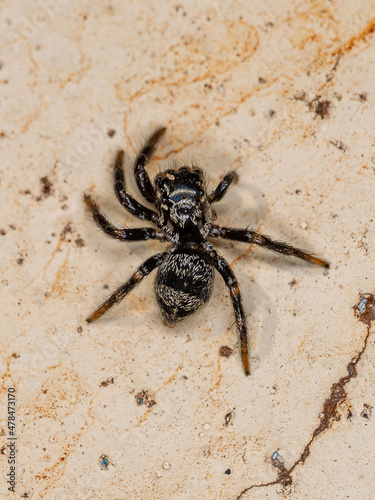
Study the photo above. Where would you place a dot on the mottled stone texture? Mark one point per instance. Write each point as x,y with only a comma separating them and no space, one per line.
283,93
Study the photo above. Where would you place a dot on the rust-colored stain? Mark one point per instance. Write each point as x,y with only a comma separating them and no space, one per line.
242,255
364,310
5,377
53,473
63,236
59,283
58,394
352,42
219,377
232,44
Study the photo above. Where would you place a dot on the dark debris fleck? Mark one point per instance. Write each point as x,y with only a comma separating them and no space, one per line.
145,398
225,351
105,383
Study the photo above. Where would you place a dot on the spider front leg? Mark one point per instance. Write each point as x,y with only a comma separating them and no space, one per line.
141,176
222,266
223,187
124,198
123,234
144,270
252,237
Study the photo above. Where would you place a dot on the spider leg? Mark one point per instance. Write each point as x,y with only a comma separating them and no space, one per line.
252,237
124,198
141,176
124,233
222,266
223,187
122,291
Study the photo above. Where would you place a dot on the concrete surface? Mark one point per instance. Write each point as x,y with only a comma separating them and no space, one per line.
281,91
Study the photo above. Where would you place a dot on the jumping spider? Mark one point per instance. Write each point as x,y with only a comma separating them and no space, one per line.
183,217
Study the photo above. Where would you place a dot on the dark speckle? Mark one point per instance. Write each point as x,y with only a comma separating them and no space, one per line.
145,398
339,145
363,96
46,187
106,383
67,229
111,132
321,108
79,242
227,472
20,261
366,412
228,418
225,351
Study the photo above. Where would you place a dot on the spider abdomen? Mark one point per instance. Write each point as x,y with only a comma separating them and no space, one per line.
183,283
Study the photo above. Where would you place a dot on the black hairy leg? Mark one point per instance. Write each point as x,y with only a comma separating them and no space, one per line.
223,187
124,198
141,176
222,266
124,233
144,270
252,237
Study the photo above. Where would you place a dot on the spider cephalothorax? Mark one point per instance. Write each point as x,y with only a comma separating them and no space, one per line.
183,217
185,213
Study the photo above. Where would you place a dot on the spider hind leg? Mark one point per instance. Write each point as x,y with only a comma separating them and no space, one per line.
122,291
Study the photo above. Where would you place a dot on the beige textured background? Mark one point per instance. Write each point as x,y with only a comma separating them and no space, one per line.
281,91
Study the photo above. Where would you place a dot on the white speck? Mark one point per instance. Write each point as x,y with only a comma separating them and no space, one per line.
304,225
166,465
158,474
201,434
206,427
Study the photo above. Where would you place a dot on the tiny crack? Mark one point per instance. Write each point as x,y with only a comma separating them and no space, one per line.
365,312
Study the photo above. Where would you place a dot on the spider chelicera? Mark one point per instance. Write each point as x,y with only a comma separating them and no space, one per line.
183,217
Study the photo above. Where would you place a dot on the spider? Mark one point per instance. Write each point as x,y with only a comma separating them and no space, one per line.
183,218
